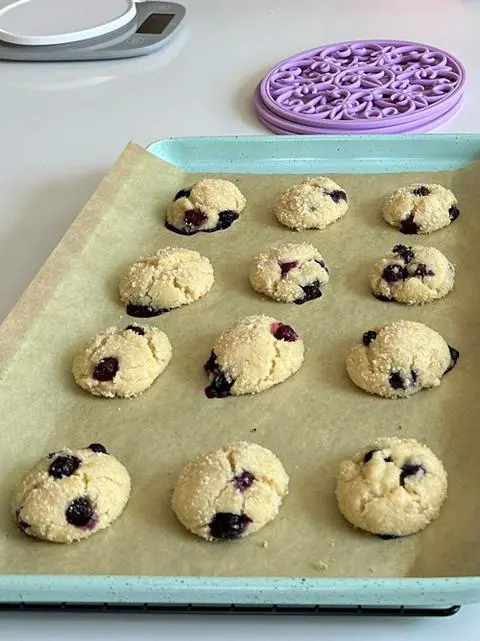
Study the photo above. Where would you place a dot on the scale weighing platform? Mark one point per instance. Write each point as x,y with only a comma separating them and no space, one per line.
69,30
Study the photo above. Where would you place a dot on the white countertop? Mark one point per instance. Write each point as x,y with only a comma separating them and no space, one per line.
62,126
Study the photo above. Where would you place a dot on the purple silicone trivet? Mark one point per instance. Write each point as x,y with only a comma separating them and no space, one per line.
280,125
275,124
364,85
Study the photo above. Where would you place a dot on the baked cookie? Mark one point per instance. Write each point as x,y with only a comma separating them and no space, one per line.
210,205
290,273
412,275
122,362
170,278
420,209
71,494
253,355
230,493
312,204
392,488
399,359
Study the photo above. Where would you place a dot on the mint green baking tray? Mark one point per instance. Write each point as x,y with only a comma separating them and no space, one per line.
272,154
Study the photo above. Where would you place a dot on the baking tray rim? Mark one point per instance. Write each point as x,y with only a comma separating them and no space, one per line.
96,589
294,154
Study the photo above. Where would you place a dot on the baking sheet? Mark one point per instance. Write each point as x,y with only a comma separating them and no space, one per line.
312,421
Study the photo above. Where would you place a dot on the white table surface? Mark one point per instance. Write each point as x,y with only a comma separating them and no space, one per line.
62,126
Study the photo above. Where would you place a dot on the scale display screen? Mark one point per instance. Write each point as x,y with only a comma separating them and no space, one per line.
156,23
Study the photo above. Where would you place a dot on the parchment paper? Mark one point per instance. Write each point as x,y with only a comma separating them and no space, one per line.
312,421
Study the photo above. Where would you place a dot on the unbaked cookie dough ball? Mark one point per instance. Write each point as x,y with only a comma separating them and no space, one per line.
399,359
412,275
71,494
393,487
122,362
170,278
420,209
255,354
230,493
290,273
312,204
210,205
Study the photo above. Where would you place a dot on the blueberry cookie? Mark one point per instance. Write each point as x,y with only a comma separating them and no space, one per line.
71,494
290,273
312,204
412,275
399,359
420,209
171,278
392,488
210,205
230,493
122,362
255,354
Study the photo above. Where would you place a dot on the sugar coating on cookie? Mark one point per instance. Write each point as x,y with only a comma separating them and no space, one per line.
412,275
290,273
393,487
209,205
420,209
71,494
255,354
312,204
122,362
230,493
399,359
170,278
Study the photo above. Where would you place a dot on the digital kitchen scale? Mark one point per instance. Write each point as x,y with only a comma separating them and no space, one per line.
64,30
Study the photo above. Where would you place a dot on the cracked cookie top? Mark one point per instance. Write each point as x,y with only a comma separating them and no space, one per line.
393,487
314,203
231,492
170,278
399,359
122,362
420,209
290,273
71,494
209,205
254,354
412,275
